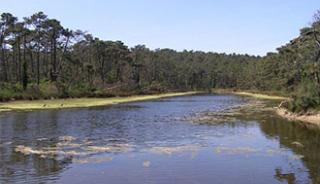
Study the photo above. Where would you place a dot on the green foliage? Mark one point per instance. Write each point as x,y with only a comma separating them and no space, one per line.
50,61
8,92
307,97
13,91
48,90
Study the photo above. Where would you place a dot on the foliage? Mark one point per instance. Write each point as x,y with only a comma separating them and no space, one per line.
307,97
49,60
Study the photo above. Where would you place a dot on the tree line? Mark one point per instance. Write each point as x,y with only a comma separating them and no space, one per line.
39,58
294,69
42,59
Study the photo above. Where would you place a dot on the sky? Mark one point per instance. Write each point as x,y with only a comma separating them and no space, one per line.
232,26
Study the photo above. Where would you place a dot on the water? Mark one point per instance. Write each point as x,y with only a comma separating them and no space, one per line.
156,142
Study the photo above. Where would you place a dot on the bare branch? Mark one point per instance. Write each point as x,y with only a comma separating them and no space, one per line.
316,16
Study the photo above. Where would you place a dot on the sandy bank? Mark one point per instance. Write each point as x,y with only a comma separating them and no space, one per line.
82,102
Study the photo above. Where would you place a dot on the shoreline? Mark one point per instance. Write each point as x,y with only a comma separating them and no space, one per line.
257,95
82,102
313,118
261,96
25,105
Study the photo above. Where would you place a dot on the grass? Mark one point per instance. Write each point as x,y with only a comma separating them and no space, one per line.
81,102
261,96
257,95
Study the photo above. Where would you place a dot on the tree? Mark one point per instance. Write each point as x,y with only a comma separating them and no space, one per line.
18,35
316,33
36,23
7,23
25,78
53,30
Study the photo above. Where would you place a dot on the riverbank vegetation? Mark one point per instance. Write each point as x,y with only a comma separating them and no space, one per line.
41,59
312,117
266,95
82,102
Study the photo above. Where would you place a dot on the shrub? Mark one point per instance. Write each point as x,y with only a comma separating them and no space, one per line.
307,97
48,90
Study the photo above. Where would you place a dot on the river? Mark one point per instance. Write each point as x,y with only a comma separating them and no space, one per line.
157,142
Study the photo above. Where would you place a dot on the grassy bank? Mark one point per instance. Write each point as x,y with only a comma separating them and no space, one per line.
261,96
312,117
258,95
82,102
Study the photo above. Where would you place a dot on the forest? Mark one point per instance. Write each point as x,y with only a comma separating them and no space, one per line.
41,59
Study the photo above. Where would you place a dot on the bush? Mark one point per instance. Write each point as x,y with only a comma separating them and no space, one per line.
48,89
307,97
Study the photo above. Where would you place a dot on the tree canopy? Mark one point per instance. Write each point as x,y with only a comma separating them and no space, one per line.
40,58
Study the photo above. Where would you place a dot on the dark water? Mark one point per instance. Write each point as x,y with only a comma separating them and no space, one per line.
155,142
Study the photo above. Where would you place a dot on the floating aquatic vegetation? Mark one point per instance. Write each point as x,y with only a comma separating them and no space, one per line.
175,150
108,148
49,153
30,151
87,142
42,139
231,114
51,148
83,151
92,160
69,146
297,144
218,117
238,150
296,157
74,153
146,163
66,138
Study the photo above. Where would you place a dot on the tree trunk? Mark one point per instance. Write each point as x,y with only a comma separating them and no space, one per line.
25,76
4,67
31,61
19,60
54,58
38,66
24,59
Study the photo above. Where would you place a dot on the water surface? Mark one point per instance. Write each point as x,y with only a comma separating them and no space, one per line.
156,142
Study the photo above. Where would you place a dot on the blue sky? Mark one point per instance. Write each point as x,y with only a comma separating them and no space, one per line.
231,26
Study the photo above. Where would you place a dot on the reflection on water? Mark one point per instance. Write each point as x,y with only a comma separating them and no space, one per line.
301,139
155,142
